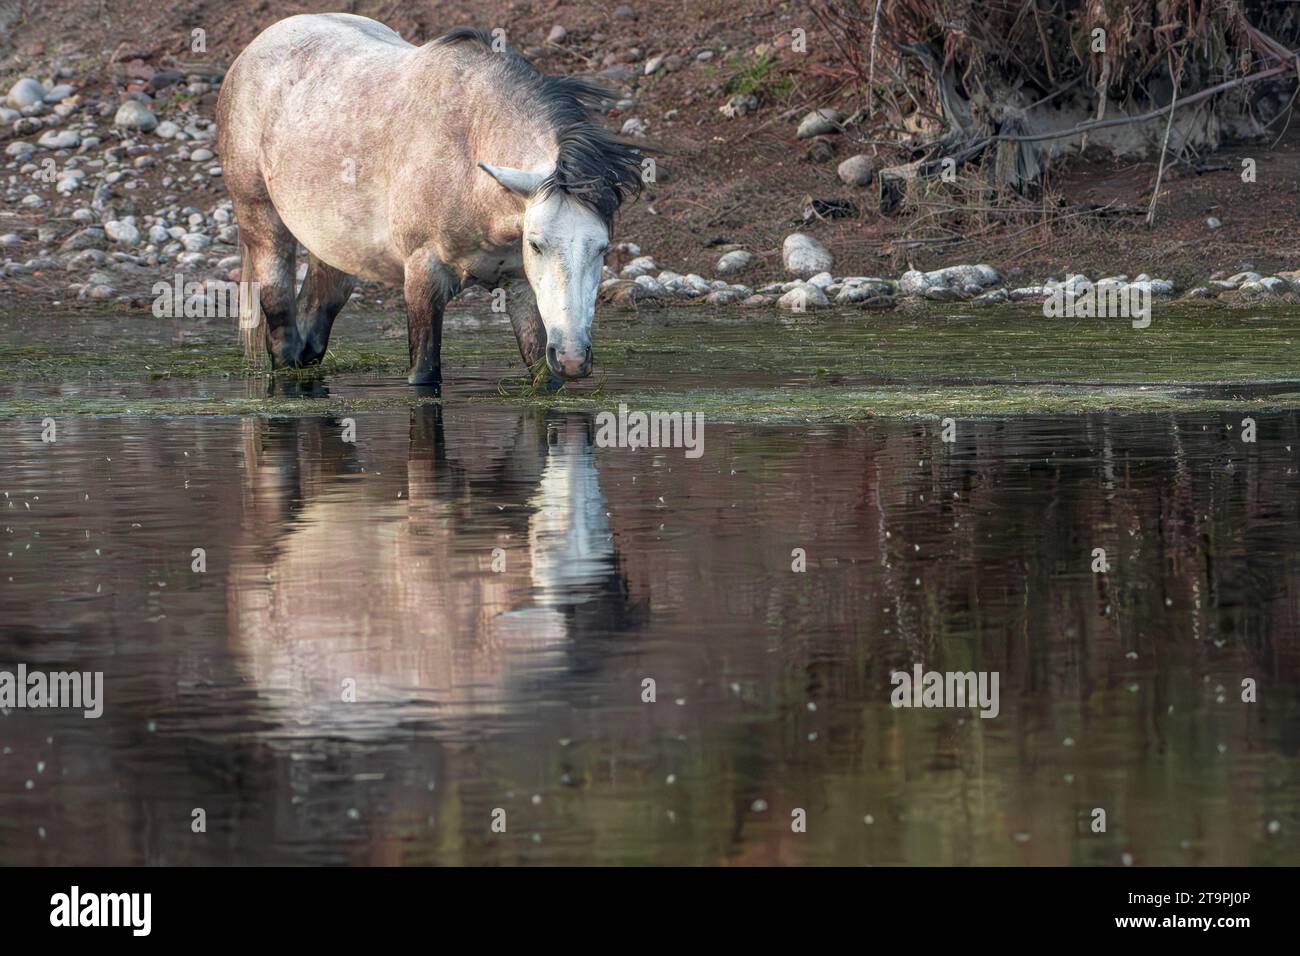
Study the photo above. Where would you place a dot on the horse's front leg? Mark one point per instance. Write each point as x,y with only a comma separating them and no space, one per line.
428,286
530,332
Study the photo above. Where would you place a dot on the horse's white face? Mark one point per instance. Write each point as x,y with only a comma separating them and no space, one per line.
564,245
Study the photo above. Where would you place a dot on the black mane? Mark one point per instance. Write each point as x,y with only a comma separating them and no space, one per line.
594,167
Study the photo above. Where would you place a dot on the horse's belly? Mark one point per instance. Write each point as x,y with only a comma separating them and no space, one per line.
347,236
367,259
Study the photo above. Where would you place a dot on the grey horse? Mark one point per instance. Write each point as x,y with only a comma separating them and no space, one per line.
433,167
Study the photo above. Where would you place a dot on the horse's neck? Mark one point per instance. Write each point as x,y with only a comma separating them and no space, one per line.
505,127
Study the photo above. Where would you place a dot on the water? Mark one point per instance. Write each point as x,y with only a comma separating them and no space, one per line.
493,590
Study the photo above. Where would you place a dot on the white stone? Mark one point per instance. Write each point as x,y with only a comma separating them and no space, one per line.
59,139
912,282
20,150
736,261
121,231
133,114
26,92
640,266
804,256
820,123
803,298
857,170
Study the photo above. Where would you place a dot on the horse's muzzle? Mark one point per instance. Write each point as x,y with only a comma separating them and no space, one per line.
569,363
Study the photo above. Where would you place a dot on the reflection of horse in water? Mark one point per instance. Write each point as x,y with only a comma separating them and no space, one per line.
460,585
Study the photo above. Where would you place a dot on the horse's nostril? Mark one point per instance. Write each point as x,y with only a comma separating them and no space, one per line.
568,362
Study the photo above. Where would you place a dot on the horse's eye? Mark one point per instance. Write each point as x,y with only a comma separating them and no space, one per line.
535,247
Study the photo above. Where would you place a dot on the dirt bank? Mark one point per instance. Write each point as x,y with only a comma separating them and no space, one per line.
743,180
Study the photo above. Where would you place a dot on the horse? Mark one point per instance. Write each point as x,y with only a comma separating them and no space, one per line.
435,167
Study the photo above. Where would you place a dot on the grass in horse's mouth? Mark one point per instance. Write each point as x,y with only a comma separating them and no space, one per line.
535,387
539,386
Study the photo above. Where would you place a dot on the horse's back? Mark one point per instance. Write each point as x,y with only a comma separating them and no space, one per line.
318,32
322,50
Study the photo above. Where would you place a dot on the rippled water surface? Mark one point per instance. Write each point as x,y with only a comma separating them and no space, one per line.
494,589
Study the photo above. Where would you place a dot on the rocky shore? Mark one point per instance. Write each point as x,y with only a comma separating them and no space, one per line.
815,286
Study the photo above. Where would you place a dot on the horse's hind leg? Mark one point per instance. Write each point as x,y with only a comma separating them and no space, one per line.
324,292
272,253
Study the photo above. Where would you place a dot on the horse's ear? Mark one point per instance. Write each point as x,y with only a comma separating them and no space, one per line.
521,181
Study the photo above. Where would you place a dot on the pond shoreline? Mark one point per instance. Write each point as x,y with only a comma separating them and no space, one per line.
923,361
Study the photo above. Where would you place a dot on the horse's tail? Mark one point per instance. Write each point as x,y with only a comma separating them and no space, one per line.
251,319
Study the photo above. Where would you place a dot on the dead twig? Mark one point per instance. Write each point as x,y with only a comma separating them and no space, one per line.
1160,171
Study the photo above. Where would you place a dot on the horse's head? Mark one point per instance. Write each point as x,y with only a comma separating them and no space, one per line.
564,244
